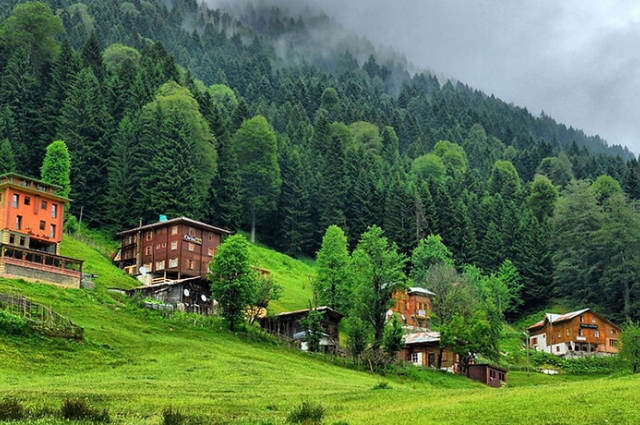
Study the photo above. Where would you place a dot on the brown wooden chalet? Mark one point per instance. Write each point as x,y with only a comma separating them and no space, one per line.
287,325
581,332
31,218
423,348
487,374
414,307
169,250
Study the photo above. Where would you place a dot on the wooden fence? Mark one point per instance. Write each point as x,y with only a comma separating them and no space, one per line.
41,318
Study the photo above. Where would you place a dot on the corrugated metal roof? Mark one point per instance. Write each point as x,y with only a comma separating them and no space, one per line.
421,290
557,318
422,337
183,219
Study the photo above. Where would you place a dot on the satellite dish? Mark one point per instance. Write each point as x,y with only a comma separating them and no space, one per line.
186,292
203,297
143,270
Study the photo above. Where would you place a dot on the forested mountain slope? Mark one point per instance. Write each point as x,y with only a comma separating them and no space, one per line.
242,120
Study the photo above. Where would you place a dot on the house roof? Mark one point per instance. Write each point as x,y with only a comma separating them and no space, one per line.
422,337
326,309
183,219
558,318
32,185
422,291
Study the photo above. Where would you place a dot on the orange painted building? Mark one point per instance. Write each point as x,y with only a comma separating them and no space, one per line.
414,307
577,333
31,219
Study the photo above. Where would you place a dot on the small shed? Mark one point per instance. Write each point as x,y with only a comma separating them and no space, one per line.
192,295
423,348
488,374
287,325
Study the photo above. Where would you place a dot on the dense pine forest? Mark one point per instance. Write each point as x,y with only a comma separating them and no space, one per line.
249,119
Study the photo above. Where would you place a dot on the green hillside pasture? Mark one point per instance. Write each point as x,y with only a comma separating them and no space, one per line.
293,275
135,363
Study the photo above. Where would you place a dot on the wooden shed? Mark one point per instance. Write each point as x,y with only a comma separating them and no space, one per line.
487,374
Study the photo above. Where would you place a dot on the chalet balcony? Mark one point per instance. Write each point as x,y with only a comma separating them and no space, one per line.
40,265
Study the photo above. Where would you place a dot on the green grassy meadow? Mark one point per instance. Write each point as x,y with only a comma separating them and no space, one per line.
136,363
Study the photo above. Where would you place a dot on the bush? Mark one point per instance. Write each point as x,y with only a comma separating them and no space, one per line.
382,385
13,325
11,409
173,417
80,409
307,413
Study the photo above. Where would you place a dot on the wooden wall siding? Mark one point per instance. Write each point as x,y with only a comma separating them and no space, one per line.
487,374
426,349
412,306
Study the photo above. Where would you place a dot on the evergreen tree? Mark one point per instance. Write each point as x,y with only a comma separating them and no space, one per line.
7,162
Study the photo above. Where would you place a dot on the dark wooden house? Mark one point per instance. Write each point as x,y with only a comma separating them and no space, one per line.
191,295
169,250
287,325
423,348
487,374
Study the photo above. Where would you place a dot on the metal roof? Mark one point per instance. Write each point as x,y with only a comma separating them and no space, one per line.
557,318
421,291
422,337
183,219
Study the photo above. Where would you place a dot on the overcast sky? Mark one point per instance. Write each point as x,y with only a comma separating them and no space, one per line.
576,60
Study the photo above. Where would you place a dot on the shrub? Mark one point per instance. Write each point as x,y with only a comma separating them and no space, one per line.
173,417
11,409
307,413
382,385
13,325
80,409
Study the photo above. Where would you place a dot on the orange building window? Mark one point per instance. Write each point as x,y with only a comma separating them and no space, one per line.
18,222
43,225
52,231
43,206
54,210
16,200
27,200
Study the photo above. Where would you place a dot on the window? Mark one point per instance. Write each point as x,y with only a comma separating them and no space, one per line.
43,206
160,265
52,231
581,319
559,334
210,252
12,239
534,340
147,250
149,236
210,236
174,245
613,331
414,358
174,230
23,241
190,264
192,231
444,356
173,263
613,343
18,222
557,348
596,333
164,245
568,332
16,200
54,210
158,246
593,320
191,246
27,200
580,332
43,224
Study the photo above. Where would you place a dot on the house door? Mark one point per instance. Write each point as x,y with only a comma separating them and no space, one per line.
432,360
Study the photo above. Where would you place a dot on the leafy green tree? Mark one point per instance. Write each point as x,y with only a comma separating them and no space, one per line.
358,334
256,148
468,335
429,252
557,169
233,281
504,180
429,166
7,162
393,340
56,167
453,156
379,272
34,27
543,197
333,285
630,350
266,290
313,330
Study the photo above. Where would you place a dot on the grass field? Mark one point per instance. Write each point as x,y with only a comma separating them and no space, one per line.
136,363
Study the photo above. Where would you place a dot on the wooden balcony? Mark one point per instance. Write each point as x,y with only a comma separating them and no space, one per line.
40,265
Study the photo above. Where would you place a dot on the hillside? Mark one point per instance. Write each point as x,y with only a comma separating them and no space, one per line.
135,364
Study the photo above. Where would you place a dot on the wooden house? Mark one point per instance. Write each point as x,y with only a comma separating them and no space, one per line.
414,307
31,220
487,374
423,348
169,250
191,295
287,325
578,333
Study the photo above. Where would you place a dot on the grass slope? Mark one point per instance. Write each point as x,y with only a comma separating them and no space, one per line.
135,363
